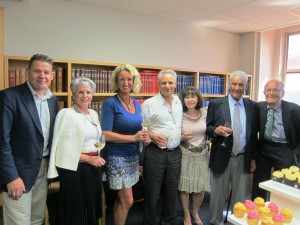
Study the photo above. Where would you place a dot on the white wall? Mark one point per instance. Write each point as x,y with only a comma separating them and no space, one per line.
68,30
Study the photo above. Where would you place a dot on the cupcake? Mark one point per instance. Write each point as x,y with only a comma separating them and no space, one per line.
273,208
267,221
277,176
278,219
250,205
259,202
294,169
264,211
290,179
287,214
252,217
239,210
286,171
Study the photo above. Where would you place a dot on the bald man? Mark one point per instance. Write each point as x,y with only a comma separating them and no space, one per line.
279,134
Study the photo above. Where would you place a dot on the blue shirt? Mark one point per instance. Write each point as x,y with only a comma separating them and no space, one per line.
116,118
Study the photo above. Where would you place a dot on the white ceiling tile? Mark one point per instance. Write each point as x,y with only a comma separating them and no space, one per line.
215,20
237,16
152,7
277,19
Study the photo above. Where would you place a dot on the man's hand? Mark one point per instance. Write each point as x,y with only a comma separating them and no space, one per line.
16,188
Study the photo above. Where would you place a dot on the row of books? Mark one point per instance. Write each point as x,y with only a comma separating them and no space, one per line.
101,77
19,76
184,81
149,81
213,85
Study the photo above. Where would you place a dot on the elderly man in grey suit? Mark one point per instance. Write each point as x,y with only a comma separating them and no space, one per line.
27,116
231,162
279,134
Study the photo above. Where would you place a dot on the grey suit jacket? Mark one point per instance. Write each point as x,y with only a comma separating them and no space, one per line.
219,113
21,135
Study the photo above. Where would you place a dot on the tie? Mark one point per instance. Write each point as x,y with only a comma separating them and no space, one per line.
269,125
237,130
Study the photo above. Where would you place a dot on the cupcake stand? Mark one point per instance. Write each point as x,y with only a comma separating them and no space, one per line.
281,194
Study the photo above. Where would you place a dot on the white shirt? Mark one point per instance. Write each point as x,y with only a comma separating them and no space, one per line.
163,118
44,115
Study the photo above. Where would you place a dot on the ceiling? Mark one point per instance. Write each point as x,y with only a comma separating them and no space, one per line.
236,16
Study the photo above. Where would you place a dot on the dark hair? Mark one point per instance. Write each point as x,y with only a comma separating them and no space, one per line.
190,90
40,57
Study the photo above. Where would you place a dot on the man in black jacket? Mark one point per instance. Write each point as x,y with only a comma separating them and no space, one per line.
230,164
279,134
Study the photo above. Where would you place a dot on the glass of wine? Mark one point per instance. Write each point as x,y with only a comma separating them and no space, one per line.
228,132
146,123
100,143
189,134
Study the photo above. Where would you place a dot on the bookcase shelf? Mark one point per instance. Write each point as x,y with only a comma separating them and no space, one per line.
210,84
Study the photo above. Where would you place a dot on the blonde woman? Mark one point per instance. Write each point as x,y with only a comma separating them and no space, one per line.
121,123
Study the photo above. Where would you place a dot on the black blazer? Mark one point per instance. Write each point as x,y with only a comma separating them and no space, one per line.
21,135
291,123
218,113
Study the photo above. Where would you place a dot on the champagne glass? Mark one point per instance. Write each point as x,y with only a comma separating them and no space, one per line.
100,143
189,134
146,123
228,132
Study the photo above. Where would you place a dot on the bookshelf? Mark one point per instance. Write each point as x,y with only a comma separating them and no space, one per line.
99,72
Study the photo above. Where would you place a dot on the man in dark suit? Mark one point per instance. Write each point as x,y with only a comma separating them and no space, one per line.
231,162
279,134
27,116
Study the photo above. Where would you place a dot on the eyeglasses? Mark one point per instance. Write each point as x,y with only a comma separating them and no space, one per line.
274,90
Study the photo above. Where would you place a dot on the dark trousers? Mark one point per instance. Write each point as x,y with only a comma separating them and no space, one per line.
276,155
161,171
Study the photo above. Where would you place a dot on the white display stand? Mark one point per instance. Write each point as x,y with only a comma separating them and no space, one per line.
283,196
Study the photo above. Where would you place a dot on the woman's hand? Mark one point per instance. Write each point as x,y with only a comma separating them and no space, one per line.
96,161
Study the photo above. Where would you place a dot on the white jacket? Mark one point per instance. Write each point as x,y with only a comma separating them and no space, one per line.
68,140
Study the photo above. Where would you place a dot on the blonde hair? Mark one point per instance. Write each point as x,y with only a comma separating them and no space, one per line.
113,83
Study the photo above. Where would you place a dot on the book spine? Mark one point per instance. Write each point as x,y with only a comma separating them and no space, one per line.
12,78
59,80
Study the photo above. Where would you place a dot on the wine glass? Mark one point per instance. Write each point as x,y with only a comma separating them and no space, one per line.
146,123
100,143
189,134
228,132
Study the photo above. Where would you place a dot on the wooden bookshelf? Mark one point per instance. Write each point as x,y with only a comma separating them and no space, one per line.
99,72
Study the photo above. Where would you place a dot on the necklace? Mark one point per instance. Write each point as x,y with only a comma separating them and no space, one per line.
128,104
88,118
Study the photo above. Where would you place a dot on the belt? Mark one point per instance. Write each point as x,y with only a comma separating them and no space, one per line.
241,153
166,149
95,153
193,148
273,143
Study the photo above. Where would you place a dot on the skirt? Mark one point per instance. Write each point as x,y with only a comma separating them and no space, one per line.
194,171
81,195
122,172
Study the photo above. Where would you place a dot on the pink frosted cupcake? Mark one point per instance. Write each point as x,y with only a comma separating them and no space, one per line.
252,217
250,205
278,219
273,208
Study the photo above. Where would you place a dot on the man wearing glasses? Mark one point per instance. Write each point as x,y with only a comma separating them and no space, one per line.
279,135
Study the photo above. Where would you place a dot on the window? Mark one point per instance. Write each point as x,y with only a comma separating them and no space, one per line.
292,78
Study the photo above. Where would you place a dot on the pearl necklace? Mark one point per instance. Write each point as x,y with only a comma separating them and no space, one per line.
128,104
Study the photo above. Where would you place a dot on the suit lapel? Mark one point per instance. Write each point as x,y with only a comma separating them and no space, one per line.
225,110
29,103
263,116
